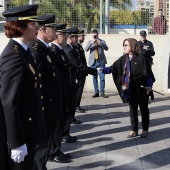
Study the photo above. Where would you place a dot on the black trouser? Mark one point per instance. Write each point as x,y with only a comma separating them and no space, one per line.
3,142
67,125
71,110
134,115
43,150
28,162
80,88
73,95
56,141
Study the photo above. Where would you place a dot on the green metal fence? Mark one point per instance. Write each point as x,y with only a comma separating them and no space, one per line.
124,17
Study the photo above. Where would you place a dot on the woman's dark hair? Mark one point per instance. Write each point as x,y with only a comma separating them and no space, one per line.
133,43
15,29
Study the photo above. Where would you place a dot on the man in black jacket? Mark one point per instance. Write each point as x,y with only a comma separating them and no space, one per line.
52,87
75,66
146,47
62,60
81,76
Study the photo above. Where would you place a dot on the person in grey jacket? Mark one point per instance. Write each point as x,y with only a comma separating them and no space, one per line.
97,59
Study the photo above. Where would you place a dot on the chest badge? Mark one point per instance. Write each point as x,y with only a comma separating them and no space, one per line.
62,57
31,68
49,59
35,85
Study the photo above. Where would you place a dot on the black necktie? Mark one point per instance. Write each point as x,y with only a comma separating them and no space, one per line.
62,51
29,51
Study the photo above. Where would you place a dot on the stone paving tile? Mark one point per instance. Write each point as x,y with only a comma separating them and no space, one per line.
102,137
123,161
156,160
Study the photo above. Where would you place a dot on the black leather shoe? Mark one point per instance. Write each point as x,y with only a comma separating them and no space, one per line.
69,136
95,95
103,95
65,155
80,110
69,139
75,137
74,121
61,159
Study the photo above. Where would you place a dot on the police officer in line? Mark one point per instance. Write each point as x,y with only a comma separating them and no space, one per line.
62,60
75,65
20,91
146,47
3,140
52,86
81,76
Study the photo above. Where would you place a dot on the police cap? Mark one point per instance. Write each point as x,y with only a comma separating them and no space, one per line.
142,32
61,28
72,31
81,33
27,12
47,20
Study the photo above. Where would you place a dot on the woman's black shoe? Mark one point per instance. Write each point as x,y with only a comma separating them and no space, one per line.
144,134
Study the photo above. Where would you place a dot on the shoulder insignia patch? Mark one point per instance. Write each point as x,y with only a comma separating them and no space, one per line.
35,46
15,48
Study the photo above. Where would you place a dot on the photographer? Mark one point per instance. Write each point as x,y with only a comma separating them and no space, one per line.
97,59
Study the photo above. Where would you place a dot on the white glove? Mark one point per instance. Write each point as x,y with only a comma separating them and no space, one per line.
18,154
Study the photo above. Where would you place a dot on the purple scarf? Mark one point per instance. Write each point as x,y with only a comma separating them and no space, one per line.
126,78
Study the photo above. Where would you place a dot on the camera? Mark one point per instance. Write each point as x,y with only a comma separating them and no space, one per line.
95,36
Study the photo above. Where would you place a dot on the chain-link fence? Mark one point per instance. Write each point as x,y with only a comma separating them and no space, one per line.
124,17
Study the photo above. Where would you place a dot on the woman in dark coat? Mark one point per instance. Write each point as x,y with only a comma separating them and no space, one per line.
20,91
131,74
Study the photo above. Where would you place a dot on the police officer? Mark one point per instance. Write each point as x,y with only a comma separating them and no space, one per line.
81,76
62,60
20,91
3,140
61,39
52,87
75,65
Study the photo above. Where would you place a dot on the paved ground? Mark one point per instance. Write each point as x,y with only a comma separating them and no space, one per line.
102,142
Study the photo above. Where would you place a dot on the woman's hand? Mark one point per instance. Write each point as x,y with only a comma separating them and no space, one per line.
99,70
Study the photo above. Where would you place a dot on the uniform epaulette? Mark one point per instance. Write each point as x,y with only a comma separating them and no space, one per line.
16,48
35,46
53,49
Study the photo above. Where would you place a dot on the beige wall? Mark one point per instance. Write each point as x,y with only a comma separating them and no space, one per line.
114,42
